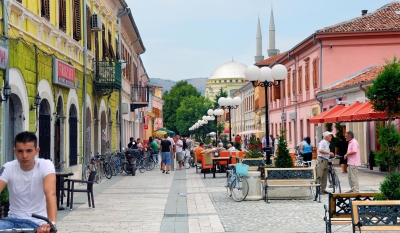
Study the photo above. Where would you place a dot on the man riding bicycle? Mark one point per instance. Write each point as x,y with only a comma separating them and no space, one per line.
32,186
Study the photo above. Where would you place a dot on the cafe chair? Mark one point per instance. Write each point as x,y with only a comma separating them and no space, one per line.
88,190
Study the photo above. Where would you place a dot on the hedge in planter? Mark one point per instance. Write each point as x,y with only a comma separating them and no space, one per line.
284,160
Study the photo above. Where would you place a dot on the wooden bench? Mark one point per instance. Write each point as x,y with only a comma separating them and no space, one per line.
375,215
338,211
299,177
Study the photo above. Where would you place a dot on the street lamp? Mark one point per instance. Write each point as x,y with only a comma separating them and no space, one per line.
266,77
229,103
217,113
6,93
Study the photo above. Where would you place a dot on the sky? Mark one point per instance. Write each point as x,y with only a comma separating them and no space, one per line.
190,38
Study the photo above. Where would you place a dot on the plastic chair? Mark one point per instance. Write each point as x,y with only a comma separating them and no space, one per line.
206,163
88,190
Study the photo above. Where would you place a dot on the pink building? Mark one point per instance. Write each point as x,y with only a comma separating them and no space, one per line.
325,59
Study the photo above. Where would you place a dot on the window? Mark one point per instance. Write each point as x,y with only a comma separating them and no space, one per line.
96,51
307,78
104,41
116,49
314,73
299,80
288,84
20,1
294,81
277,92
77,35
111,50
45,9
290,131
62,15
283,84
88,28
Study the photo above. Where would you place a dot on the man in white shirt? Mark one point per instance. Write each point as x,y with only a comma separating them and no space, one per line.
231,148
32,186
178,148
324,153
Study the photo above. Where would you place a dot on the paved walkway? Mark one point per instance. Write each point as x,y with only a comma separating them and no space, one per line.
183,201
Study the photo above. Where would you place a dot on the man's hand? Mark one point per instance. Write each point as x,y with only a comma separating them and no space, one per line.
345,156
331,154
44,228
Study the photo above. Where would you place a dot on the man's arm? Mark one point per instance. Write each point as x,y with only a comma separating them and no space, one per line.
49,188
2,185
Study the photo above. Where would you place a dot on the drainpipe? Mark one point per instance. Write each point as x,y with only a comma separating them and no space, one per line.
133,78
121,129
84,126
319,129
6,78
295,98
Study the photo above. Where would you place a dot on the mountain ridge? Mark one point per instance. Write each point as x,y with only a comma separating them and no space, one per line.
199,83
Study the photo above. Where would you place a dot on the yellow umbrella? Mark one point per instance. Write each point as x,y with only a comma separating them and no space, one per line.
159,133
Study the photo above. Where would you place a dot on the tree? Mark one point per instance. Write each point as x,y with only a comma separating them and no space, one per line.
284,160
384,94
191,110
172,101
221,93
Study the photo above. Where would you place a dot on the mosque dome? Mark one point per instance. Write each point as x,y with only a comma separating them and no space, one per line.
229,70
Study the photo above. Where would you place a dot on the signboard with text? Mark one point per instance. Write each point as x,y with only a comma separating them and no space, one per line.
63,74
3,58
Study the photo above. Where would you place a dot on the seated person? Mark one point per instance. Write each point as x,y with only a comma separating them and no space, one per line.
199,149
231,147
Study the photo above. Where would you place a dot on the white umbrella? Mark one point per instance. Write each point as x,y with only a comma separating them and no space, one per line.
212,133
251,131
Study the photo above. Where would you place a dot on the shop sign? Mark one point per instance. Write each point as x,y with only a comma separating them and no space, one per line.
314,111
146,127
3,58
63,74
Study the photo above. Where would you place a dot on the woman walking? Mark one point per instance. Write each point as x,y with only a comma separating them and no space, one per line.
306,147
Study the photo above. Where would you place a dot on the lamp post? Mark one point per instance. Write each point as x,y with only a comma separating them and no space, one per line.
266,77
229,103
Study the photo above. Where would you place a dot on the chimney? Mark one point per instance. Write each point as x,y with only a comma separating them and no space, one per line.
364,12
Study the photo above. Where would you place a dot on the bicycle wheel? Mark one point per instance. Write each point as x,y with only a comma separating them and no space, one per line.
107,171
239,189
100,171
97,177
332,181
150,164
87,172
142,166
337,181
114,169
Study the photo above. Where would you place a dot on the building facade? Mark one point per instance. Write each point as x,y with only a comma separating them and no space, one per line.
76,61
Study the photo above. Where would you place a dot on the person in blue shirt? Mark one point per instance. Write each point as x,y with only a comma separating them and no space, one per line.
306,147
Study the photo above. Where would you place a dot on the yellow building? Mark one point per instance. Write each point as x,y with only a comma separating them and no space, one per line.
68,68
228,76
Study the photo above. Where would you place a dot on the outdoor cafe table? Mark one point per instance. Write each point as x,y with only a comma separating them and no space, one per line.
215,161
59,182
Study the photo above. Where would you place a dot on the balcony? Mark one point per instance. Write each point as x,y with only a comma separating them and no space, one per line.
140,97
107,77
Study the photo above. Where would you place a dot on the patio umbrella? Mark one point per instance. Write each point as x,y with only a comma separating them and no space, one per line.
165,130
159,133
251,131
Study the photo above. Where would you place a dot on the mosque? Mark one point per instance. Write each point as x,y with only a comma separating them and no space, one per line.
230,75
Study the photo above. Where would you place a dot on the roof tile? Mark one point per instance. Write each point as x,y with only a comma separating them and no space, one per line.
271,60
383,19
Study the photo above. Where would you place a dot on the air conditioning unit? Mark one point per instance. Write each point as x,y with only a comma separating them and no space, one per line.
96,22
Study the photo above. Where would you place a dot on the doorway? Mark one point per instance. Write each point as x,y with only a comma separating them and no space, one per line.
73,136
16,122
59,132
44,130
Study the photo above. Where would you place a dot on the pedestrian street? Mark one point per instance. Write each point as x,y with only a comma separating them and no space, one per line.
183,201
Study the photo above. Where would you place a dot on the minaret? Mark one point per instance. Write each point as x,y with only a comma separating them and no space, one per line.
271,50
259,56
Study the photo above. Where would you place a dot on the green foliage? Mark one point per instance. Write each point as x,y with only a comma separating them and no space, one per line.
220,94
172,101
253,142
238,146
220,128
389,139
284,160
384,94
254,153
4,196
192,109
390,188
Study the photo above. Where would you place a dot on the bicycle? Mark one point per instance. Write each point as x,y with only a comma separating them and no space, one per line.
106,165
53,229
237,184
149,162
116,163
333,178
186,160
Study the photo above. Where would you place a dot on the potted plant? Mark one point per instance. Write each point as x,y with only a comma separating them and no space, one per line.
4,200
284,160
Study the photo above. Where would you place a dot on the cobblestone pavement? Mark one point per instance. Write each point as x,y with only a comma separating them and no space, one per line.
183,201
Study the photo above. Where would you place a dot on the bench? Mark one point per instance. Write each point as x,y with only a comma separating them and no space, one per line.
291,177
338,211
375,215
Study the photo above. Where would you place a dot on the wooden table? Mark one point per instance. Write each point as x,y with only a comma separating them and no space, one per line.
217,160
60,182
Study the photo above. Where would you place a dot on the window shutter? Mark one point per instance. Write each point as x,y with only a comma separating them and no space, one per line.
111,50
62,17
314,73
45,9
307,78
97,50
299,83
89,28
116,49
77,20
103,40
288,84
293,81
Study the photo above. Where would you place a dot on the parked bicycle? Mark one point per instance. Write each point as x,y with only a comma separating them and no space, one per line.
236,183
333,178
187,159
22,230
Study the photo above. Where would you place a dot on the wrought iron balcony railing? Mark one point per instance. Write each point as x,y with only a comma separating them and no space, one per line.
107,77
140,96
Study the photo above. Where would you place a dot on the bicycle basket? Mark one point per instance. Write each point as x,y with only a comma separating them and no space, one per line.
242,168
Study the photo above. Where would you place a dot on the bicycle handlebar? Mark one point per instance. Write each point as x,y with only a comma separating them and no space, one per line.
53,228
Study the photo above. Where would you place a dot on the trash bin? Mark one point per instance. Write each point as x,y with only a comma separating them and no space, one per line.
254,180
371,160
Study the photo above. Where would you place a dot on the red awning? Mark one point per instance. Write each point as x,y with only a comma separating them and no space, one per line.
350,110
320,117
332,118
366,113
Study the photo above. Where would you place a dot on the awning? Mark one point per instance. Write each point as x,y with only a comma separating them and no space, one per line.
349,113
150,114
366,113
320,117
